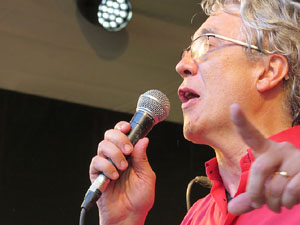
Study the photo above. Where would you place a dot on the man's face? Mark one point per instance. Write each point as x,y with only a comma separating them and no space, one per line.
215,81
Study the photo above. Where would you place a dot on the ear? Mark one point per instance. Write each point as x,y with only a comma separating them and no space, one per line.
276,69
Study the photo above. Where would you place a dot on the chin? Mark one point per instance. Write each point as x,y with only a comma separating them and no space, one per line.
192,133
196,132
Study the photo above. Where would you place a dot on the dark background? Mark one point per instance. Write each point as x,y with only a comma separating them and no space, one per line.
45,150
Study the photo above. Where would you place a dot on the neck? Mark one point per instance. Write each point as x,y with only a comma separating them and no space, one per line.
228,156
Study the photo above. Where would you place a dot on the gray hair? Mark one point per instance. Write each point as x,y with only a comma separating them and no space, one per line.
278,22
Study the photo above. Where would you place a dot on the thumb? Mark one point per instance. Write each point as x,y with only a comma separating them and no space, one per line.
240,204
139,157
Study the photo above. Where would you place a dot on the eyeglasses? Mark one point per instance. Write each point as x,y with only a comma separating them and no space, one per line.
200,46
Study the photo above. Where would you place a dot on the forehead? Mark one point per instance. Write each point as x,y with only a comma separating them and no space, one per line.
223,23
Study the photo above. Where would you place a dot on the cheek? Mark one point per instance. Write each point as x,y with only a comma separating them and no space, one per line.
229,76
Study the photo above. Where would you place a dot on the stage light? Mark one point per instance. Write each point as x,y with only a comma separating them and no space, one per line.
114,15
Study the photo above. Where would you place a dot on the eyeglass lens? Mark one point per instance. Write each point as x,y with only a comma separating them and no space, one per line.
198,48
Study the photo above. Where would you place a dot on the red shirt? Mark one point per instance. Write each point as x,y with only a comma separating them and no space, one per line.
212,210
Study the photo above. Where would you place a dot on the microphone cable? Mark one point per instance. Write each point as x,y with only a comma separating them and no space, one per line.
90,200
82,216
203,181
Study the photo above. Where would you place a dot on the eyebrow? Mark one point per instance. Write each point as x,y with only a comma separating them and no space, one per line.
205,30
208,30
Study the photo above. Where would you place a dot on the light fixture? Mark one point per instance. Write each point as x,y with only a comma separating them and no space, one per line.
114,15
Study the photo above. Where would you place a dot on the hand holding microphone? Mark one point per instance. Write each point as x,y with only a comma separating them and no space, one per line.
130,192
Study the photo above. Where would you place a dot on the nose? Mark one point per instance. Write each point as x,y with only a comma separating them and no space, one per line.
187,66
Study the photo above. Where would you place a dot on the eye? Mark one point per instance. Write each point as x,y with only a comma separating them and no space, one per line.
212,42
216,42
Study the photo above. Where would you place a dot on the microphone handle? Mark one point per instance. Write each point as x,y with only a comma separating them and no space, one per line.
141,124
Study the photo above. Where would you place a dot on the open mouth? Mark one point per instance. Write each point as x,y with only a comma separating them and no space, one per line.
186,95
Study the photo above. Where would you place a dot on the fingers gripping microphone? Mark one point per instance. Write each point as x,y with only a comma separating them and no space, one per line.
153,107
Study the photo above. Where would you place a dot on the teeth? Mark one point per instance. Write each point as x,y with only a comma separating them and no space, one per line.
189,95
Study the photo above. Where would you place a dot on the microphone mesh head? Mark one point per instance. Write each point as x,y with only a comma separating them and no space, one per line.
155,103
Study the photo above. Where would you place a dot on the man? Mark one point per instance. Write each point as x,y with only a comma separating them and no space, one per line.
240,85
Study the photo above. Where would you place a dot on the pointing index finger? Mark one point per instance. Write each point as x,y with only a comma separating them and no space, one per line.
251,136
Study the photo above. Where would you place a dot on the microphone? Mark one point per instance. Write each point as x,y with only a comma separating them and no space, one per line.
153,107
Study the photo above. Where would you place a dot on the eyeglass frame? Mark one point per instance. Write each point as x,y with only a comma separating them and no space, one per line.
238,42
